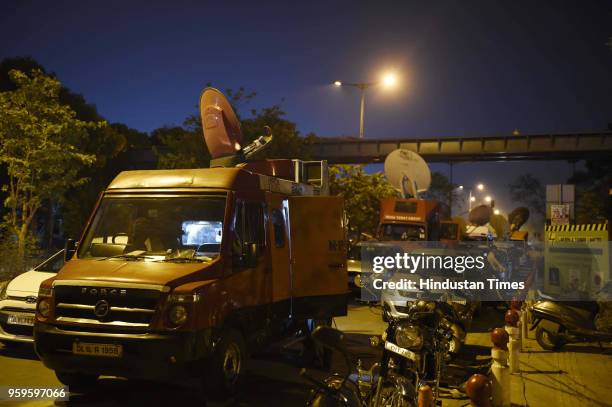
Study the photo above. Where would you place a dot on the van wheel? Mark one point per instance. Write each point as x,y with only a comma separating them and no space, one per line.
547,340
77,382
226,371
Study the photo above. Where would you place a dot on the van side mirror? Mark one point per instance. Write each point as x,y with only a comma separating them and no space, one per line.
70,248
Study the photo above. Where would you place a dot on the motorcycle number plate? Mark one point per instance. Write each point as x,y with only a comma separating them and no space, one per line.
401,351
549,326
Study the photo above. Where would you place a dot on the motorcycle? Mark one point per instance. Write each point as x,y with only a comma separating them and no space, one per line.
396,304
559,323
414,351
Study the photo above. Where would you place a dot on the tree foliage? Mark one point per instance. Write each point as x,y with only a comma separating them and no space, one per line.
40,139
362,193
592,191
178,147
440,189
109,144
184,147
528,190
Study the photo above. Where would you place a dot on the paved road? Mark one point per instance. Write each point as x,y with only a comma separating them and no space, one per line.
579,376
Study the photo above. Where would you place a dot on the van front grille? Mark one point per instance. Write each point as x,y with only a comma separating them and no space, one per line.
106,305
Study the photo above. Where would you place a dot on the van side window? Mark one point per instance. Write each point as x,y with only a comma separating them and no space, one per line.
278,222
255,225
249,226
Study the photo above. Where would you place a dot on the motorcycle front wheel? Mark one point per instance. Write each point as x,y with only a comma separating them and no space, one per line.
548,341
397,393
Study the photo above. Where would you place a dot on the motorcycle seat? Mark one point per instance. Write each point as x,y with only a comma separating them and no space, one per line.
590,306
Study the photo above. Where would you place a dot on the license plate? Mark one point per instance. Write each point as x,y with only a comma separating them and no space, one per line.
401,351
97,349
20,319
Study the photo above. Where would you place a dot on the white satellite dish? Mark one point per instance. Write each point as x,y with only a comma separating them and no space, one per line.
407,172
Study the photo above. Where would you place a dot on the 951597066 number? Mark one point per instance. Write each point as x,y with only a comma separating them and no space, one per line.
8,393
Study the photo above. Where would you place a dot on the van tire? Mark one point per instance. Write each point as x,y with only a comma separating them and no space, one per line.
77,382
227,367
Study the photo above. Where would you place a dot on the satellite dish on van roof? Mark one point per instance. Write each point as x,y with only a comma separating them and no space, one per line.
480,215
222,133
407,172
221,126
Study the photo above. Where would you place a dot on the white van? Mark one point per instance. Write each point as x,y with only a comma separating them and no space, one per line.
18,301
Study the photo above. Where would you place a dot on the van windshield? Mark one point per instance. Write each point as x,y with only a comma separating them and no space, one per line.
402,232
156,228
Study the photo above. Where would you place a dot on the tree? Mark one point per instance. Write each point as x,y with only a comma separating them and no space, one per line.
184,146
592,191
529,191
440,188
106,143
117,141
39,136
177,147
362,193
286,141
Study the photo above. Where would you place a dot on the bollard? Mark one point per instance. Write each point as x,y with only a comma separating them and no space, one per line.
512,318
525,320
425,396
516,304
500,372
524,325
478,389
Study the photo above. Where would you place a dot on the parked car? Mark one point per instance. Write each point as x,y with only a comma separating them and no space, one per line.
353,264
18,301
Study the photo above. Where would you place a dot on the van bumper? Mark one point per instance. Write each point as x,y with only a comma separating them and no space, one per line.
145,355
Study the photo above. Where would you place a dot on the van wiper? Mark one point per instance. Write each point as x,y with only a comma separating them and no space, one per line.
186,259
128,256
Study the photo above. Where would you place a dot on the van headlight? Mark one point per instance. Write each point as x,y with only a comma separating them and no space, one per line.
44,307
177,314
409,337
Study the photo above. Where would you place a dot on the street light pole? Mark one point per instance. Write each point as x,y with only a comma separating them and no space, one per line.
361,128
470,201
388,81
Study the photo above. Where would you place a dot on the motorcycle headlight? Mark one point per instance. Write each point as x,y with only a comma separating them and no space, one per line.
409,337
177,314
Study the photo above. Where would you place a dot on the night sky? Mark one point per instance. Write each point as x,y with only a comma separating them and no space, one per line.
465,67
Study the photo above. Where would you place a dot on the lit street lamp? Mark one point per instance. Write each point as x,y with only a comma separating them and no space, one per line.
388,81
472,198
